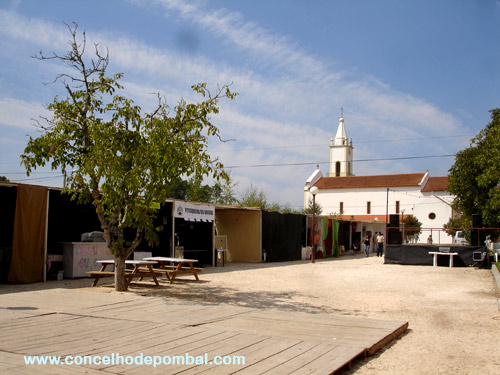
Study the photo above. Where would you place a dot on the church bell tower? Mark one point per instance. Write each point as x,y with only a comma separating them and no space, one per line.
341,153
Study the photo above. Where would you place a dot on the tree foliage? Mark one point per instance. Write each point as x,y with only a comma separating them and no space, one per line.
193,189
474,178
254,197
122,160
412,226
318,209
455,224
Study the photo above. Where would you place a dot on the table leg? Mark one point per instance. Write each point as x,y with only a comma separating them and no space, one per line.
150,267
163,265
131,275
451,260
97,277
177,269
434,260
195,274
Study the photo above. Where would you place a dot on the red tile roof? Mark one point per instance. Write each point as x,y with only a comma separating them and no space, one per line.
380,181
436,184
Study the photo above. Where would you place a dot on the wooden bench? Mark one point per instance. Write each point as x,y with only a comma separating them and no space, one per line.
98,274
171,267
141,269
169,271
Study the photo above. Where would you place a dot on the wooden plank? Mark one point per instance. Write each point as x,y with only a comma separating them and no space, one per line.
313,330
303,360
182,345
277,364
239,342
96,323
331,361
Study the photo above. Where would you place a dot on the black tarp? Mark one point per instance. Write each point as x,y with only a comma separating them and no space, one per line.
282,236
163,219
197,239
68,220
8,196
419,255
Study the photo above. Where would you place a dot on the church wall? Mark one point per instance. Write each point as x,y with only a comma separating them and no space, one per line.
411,199
355,200
442,211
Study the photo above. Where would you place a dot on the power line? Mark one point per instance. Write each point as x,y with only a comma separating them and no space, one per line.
358,142
35,172
38,179
327,162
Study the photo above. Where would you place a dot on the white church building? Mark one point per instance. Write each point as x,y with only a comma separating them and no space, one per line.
369,201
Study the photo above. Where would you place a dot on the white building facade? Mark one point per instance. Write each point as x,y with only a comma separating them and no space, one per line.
370,200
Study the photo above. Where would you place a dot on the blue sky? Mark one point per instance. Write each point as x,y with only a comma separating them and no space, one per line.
414,78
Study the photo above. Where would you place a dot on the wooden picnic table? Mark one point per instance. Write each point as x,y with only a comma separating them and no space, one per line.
172,267
142,268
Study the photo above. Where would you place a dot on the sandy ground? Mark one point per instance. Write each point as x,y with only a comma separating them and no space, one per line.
453,314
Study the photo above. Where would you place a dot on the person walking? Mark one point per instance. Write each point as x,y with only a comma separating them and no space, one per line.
315,243
380,244
367,242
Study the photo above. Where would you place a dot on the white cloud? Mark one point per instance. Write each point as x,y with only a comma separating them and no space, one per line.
20,114
273,111
31,30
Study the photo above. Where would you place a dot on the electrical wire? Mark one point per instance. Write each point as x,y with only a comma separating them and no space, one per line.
327,162
357,142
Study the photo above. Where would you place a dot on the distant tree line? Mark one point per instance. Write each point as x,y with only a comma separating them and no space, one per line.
223,192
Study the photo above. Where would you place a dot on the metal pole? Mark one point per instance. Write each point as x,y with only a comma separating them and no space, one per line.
386,216
313,230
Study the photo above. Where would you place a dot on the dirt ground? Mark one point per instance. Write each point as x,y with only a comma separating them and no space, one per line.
453,313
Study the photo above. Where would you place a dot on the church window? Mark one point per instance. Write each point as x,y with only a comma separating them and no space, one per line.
397,207
337,169
432,216
368,208
341,208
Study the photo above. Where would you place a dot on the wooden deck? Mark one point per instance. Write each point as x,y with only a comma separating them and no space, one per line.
75,322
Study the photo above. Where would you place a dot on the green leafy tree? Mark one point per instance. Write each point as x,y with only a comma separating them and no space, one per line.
254,197
474,178
122,160
412,226
197,192
453,225
317,208
178,189
223,192
4,179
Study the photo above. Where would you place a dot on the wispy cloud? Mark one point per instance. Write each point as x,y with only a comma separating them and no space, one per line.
20,114
298,106
324,79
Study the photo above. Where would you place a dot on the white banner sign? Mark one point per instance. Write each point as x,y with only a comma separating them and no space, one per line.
194,212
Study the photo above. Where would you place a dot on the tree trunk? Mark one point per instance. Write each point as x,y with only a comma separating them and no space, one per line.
120,280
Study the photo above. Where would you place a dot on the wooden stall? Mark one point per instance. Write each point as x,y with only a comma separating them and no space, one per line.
243,229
